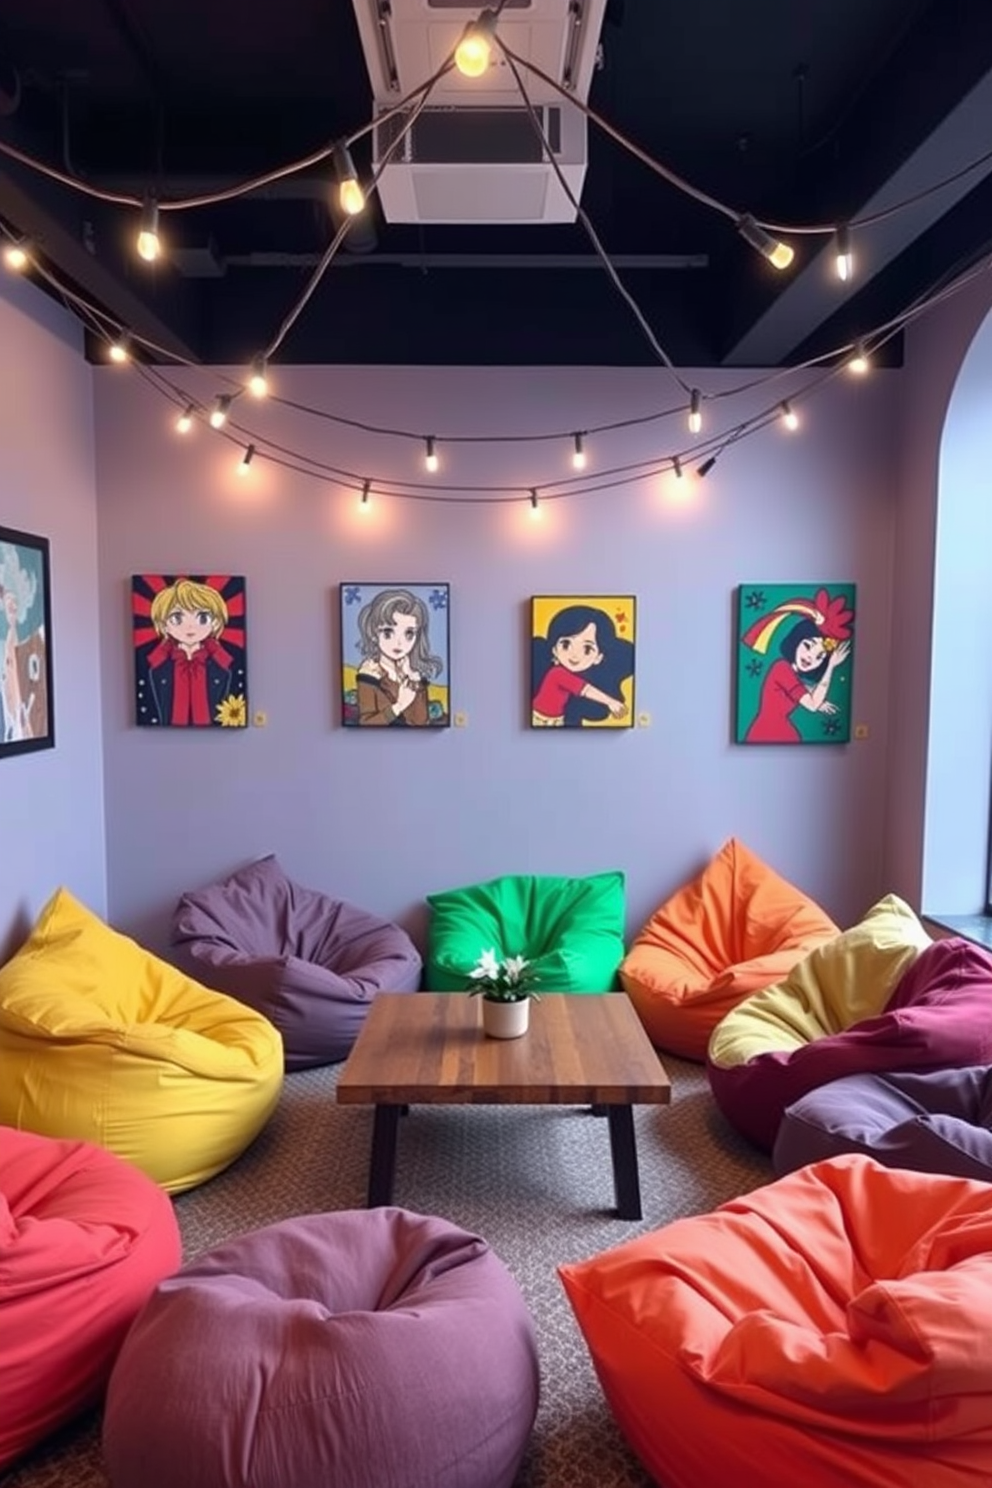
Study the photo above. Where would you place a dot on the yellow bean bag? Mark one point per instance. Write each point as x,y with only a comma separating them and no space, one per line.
103,1042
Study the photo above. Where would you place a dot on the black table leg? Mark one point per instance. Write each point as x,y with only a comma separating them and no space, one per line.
623,1147
382,1167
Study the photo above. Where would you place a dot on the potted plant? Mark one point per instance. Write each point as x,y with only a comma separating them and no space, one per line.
506,991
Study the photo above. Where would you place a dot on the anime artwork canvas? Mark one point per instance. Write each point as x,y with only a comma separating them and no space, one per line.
190,656
394,656
795,656
582,661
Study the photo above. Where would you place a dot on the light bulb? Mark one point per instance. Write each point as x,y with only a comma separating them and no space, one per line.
15,257
790,417
474,50
246,460
779,254
351,196
844,260
430,457
578,454
220,410
258,383
677,467
184,422
148,243
859,363
120,351
695,411
535,506
366,495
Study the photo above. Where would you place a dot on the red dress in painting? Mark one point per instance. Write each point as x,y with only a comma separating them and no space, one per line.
781,694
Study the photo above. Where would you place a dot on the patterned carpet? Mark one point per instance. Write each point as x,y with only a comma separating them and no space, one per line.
536,1182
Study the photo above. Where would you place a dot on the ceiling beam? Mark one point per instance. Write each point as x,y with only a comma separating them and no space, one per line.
815,294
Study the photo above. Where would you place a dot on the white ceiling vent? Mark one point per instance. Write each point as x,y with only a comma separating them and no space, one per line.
472,154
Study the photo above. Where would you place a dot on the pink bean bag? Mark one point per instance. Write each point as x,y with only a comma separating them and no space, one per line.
84,1238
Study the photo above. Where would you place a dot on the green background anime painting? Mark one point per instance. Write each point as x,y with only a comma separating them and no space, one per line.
795,662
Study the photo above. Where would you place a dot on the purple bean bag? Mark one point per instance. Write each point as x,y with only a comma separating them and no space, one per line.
365,1349
310,963
939,1016
939,1121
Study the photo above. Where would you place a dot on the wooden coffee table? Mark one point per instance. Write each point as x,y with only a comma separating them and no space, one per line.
428,1048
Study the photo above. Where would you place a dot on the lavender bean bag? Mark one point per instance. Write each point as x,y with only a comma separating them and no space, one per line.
936,1122
310,963
938,1015
365,1349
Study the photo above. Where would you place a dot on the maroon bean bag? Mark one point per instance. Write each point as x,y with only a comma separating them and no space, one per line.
84,1238
938,1016
311,964
366,1348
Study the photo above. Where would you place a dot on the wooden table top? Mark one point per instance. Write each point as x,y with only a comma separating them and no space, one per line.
429,1048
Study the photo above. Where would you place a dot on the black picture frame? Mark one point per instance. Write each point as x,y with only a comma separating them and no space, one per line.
27,695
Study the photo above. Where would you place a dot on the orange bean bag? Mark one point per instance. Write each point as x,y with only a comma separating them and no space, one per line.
829,1330
734,929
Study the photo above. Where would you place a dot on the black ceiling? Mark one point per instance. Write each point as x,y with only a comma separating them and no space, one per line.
798,111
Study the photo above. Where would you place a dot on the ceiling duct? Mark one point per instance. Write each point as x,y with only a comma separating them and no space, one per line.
472,155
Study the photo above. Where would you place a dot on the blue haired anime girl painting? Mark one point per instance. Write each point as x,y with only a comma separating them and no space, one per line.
582,662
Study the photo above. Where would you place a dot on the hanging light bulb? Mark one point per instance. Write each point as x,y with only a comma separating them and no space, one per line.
16,256
220,410
430,455
535,506
707,465
579,454
790,417
778,254
474,50
184,422
148,242
844,260
350,194
695,411
119,350
366,495
246,460
677,467
859,362
258,382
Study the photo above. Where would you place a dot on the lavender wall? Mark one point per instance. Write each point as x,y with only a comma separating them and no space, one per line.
51,801
382,819
937,818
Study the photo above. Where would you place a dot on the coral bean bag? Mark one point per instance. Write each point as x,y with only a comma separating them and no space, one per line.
310,963
104,1042
84,1238
830,1328
831,1016
736,927
365,1349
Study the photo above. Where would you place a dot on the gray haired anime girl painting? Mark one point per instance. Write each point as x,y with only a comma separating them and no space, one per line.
398,678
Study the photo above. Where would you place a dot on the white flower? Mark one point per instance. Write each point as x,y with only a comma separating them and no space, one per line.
515,966
487,966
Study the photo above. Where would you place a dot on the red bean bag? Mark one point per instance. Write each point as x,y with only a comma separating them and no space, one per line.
735,928
828,1329
84,1239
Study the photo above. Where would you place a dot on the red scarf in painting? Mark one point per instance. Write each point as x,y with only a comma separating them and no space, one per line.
190,703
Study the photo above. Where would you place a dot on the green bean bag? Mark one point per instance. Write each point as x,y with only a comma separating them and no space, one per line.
570,930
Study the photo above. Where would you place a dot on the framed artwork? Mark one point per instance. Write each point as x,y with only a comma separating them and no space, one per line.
795,658
27,712
582,661
190,656
394,656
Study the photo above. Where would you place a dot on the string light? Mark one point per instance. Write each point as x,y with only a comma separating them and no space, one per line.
535,505
579,454
778,254
258,382
844,258
695,411
430,454
220,410
16,256
790,417
474,50
184,422
350,194
148,243
677,467
119,350
859,362
246,460
704,469
366,494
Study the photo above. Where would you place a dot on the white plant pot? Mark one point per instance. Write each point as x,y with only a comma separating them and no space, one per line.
505,1020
